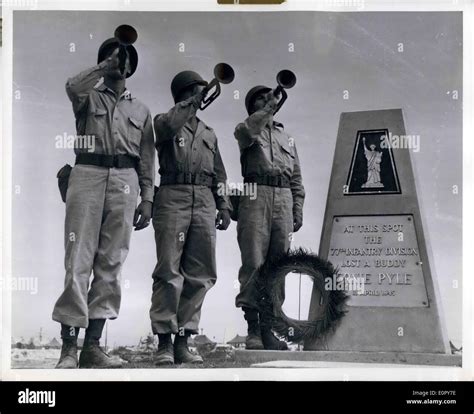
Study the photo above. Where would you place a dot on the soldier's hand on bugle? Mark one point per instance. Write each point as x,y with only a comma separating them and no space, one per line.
271,100
198,97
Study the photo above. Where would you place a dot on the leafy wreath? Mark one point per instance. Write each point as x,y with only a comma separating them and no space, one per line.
271,284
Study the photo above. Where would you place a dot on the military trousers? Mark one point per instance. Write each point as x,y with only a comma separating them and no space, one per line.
100,205
264,229
185,235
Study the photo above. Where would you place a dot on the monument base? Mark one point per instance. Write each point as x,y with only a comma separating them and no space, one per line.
408,358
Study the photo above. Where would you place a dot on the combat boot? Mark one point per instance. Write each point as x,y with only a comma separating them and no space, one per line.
68,358
165,353
93,356
269,340
254,339
182,354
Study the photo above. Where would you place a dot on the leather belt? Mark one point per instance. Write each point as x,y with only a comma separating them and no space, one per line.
270,180
187,178
108,161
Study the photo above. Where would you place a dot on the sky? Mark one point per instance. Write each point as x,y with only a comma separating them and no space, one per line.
382,60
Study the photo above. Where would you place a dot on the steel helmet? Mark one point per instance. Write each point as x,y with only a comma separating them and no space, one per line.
252,94
183,80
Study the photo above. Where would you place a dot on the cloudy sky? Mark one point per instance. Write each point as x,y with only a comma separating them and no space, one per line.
333,52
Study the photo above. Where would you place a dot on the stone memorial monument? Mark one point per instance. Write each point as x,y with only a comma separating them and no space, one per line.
373,233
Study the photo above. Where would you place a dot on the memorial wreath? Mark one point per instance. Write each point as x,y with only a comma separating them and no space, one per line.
271,288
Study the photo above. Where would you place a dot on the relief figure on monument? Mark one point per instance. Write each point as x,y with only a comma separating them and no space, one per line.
372,169
374,158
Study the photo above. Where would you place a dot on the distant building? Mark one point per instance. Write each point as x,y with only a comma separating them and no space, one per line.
53,344
202,340
203,344
237,342
18,342
37,342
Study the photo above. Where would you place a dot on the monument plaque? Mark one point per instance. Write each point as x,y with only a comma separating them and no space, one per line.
373,231
382,254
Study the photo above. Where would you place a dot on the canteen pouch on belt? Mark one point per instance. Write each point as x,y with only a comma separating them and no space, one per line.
63,180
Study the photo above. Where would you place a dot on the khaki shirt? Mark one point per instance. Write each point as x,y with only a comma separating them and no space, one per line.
118,126
183,150
267,149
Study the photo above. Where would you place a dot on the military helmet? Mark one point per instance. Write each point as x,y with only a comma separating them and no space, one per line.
183,80
252,94
109,45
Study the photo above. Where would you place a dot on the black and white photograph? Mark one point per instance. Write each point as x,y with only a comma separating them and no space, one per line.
234,193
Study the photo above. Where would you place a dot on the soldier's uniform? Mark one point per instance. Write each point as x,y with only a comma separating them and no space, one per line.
265,224
184,215
101,200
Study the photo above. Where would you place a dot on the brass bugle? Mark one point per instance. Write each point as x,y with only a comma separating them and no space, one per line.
223,73
126,36
286,79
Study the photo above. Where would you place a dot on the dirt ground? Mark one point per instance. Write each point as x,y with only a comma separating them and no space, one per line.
47,359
